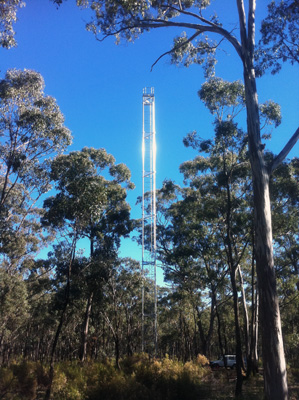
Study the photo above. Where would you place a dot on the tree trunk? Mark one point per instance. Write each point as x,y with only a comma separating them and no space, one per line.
52,362
239,383
233,269
129,332
245,311
275,374
206,339
222,350
117,351
61,322
252,358
83,350
202,336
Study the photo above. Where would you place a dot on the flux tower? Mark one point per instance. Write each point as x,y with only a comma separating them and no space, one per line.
149,261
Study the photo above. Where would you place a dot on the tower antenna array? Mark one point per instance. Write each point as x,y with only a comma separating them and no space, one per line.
149,261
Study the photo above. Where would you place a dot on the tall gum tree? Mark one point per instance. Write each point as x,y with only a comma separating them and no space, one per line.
128,19
32,131
87,205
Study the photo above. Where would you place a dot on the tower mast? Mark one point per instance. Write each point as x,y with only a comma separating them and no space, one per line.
149,261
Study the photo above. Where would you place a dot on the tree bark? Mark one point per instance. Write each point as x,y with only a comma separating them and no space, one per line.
245,311
83,350
252,358
275,374
205,339
273,353
239,383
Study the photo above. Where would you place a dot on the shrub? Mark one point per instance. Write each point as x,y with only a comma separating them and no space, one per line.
6,381
202,360
140,378
69,381
25,379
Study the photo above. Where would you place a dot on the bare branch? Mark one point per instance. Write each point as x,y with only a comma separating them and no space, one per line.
284,152
251,27
242,21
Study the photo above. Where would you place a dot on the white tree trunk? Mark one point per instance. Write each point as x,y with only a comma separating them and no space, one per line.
275,374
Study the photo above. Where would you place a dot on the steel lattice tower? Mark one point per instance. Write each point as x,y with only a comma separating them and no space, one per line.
149,262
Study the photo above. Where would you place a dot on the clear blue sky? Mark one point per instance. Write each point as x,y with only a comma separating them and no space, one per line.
98,87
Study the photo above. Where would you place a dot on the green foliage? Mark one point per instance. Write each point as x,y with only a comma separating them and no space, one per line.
31,132
8,13
280,36
13,304
86,200
271,114
219,95
202,52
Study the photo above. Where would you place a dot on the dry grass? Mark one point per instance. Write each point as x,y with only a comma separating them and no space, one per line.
139,379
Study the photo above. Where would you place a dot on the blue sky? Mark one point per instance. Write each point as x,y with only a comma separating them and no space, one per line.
98,86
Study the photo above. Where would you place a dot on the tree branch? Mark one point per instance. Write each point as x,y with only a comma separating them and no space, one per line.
157,23
191,14
284,152
153,23
251,27
242,22
175,48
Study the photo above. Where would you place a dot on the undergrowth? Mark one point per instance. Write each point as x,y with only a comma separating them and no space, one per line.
139,378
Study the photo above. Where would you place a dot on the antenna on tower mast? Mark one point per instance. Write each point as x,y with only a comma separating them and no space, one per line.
149,259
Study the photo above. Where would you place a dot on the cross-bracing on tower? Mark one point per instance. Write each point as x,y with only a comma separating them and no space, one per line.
149,261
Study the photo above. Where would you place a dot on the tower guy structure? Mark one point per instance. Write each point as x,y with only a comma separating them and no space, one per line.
149,259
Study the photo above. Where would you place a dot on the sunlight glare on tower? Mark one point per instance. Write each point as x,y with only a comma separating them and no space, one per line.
149,262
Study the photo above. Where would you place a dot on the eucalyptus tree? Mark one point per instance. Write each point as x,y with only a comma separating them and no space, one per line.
121,307
222,179
14,312
188,258
87,205
212,223
285,190
194,262
38,328
31,132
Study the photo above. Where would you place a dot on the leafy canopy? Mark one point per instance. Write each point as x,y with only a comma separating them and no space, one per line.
280,36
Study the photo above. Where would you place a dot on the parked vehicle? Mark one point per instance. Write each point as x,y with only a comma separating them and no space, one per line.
228,361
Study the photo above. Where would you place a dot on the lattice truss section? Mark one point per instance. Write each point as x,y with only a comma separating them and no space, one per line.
149,262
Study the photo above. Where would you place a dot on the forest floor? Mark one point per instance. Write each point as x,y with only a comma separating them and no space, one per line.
221,386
